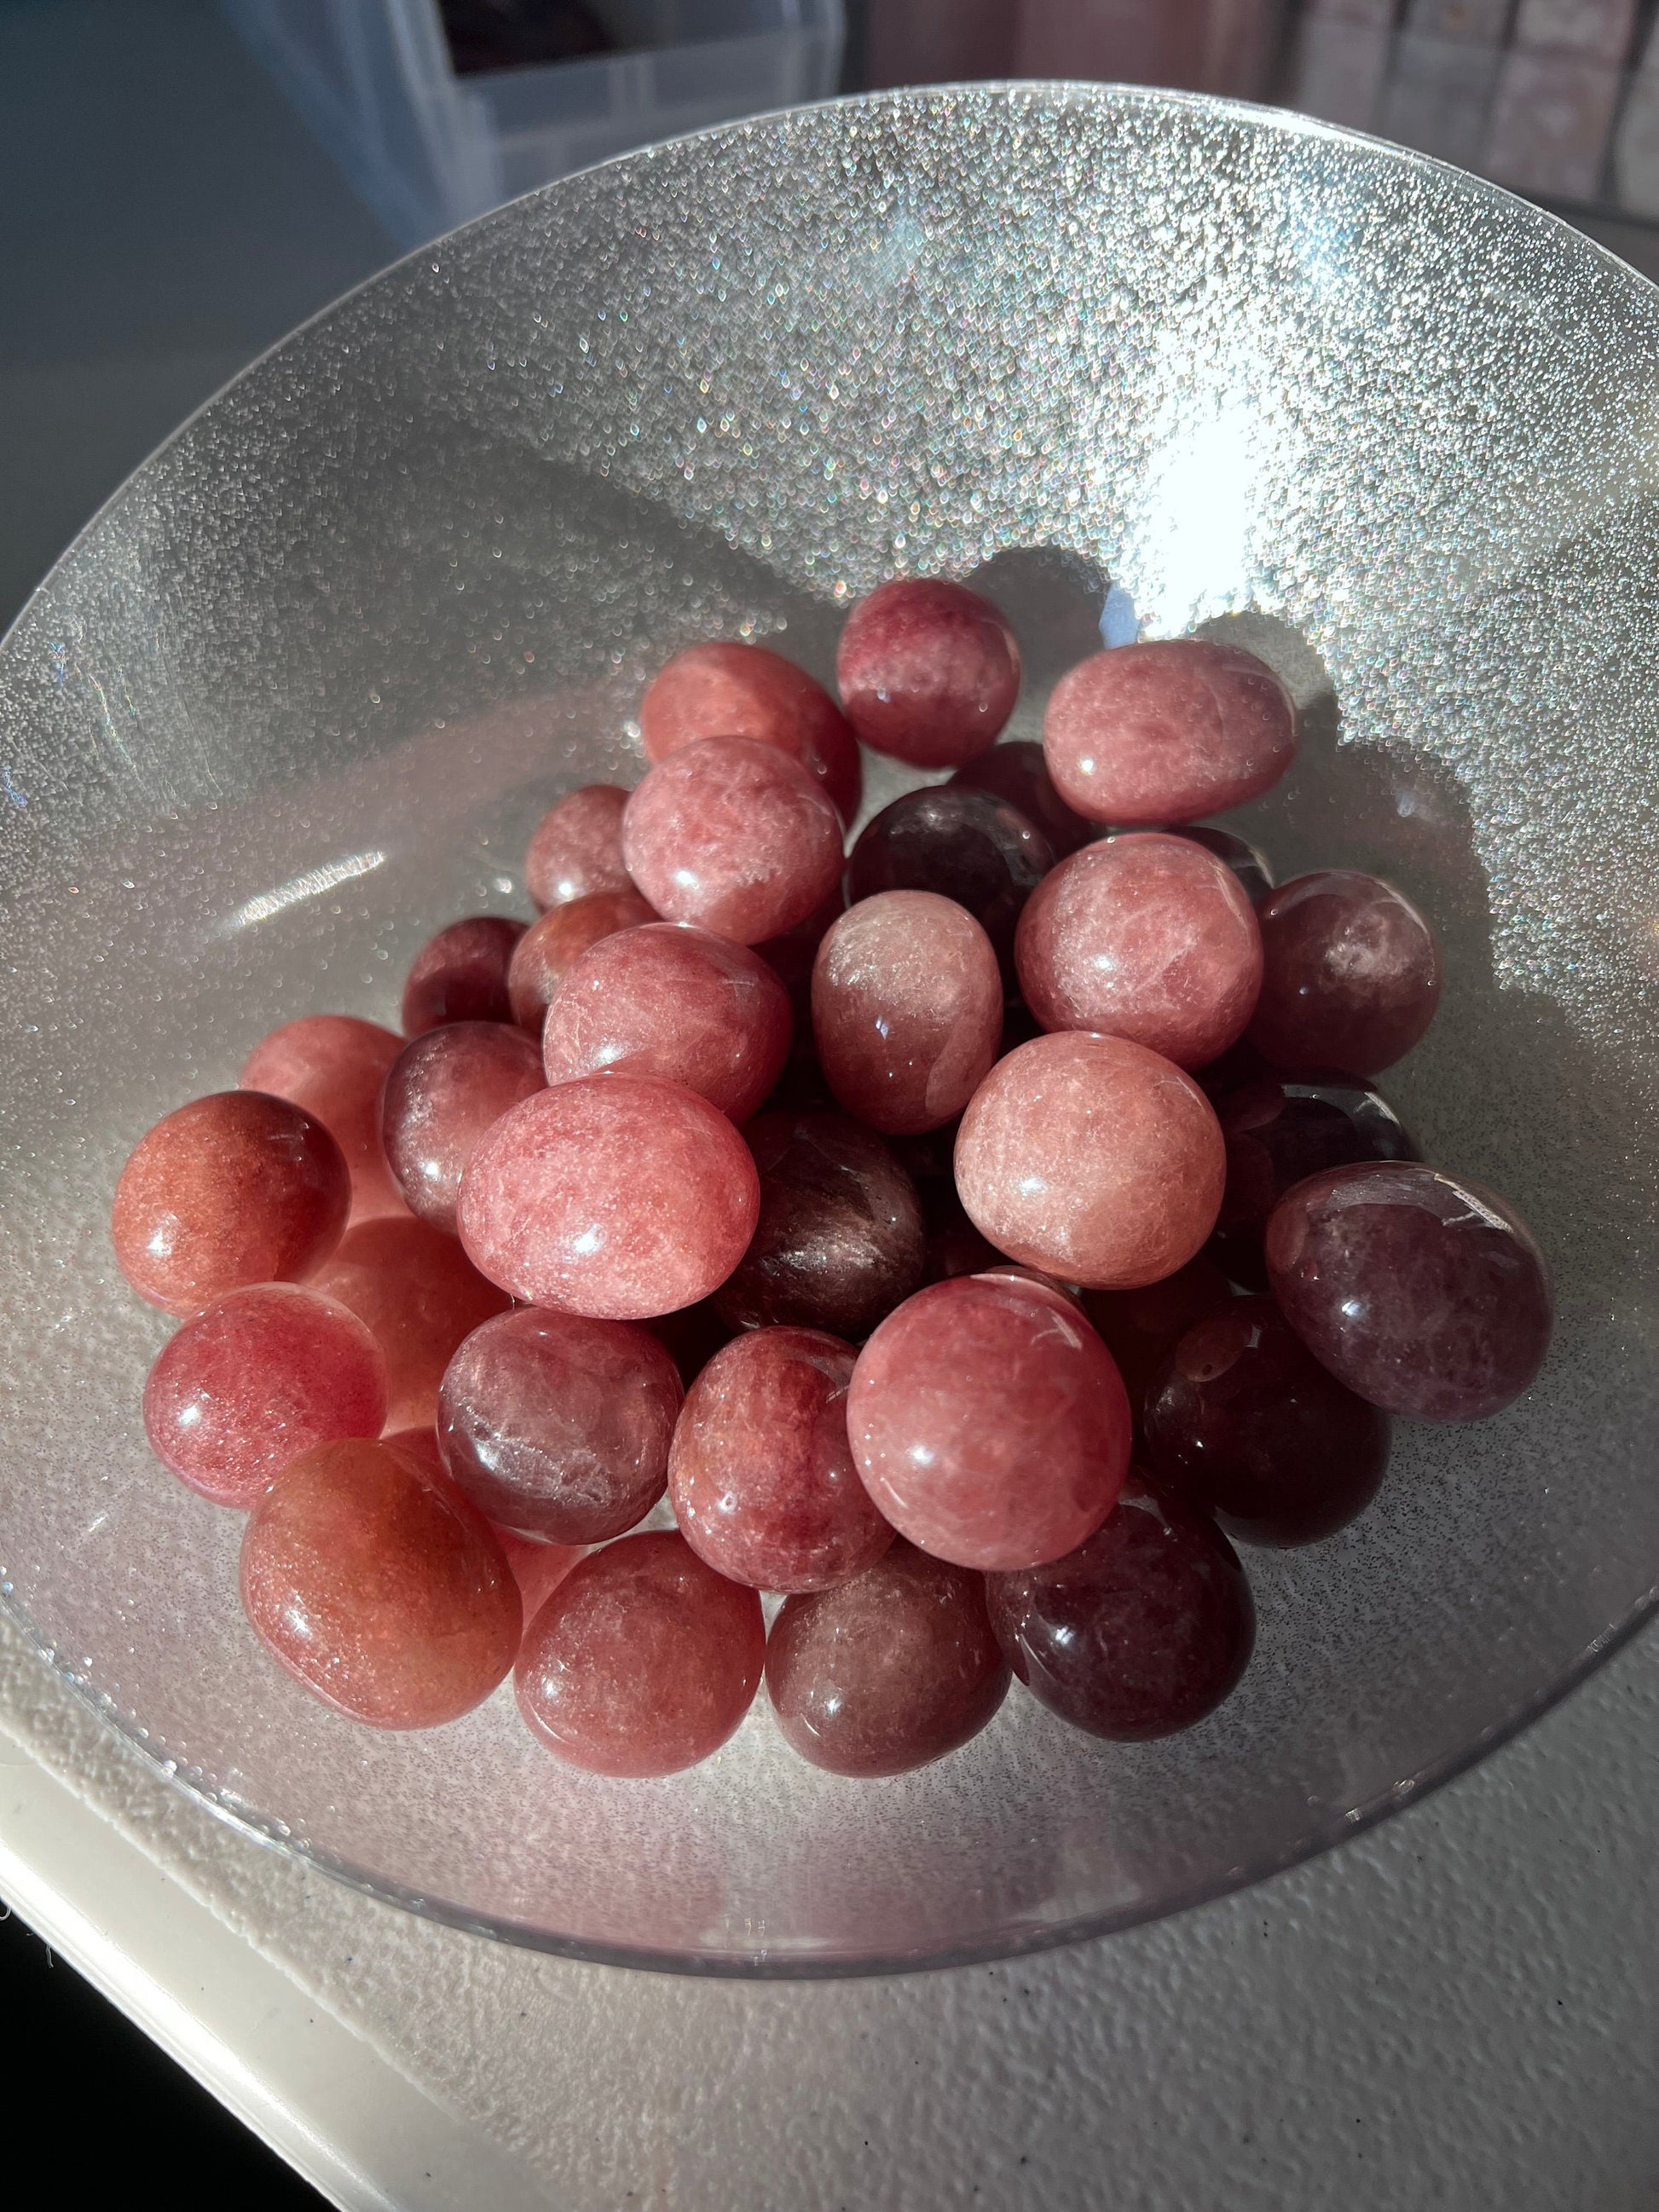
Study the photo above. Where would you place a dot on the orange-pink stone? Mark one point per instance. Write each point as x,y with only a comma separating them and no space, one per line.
549,948
377,1585
1093,1159
446,1090
1147,937
732,690
334,1065
907,1009
575,849
420,1295
237,1187
612,1196
733,835
929,672
643,1661
989,1422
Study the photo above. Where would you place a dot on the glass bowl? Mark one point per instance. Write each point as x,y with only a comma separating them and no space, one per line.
297,696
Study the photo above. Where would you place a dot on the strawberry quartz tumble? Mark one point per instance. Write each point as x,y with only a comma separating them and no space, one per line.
375,1582
643,1661
558,1427
1017,772
1421,1292
419,1295
676,1003
929,672
1093,1159
460,974
1242,1419
1140,1632
575,849
733,835
550,947
889,1671
989,1422
762,1475
967,845
445,1091
1147,937
334,1065
1149,734
1140,1327
1256,878
1351,976
232,1190
746,691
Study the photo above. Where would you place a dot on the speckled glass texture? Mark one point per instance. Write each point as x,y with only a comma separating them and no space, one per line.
301,694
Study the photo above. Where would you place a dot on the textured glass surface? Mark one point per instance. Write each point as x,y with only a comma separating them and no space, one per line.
299,693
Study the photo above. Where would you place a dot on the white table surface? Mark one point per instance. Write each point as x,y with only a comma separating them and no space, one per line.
1458,2010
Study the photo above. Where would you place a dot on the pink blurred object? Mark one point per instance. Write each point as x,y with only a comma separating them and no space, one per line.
1550,120
940,41
1200,46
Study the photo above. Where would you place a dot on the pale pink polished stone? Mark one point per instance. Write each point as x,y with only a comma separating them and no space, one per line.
234,1188
611,1196
906,1009
334,1065
549,948
1351,975
1093,1159
761,1474
1167,731
989,1422
927,670
731,691
420,1295
379,1587
254,1380
677,1003
575,848
445,1092
733,835
643,1661
1145,937
460,974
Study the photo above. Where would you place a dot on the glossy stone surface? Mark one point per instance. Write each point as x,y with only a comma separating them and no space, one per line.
377,1585
420,1295
558,1427
460,974
537,1568
762,1476
1277,1130
611,1196
643,1661
446,1090
968,846
1017,772
840,1241
989,1422
733,835
254,1380
1140,1632
1422,1292
734,690
1243,1421
550,946
676,1003
334,1065
889,1671
1351,976
237,1187
1147,937
1139,1327
1256,878
907,1009
1162,732
1093,1159
927,671
575,849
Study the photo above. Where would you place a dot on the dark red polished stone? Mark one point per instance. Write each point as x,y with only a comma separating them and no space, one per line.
546,952
575,850
1254,877
1421,1292
927,670
1017,772
1139,1327
419,1295
1350,974
643,1661
691,1337
334,1065
460,974
1140,1632
1242,1419
889,1671
732,691
968,846
446,1090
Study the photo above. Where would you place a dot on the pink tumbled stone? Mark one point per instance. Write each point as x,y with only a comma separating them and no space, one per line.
254,1380
1167,731
460,974
419,1295
575,848
1145,937
676,1003
549,948
989,1422
761,1474
906,1009
643,1661
334,1065
734,835
446,1090
732,690
1351,977
1093,1159
929,672
612,1196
